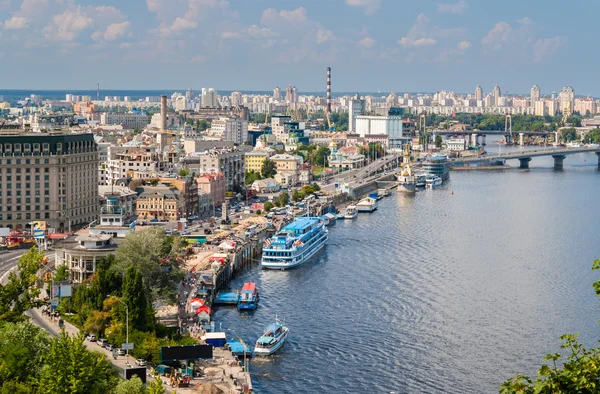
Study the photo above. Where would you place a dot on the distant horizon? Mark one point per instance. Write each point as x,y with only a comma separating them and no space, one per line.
222,92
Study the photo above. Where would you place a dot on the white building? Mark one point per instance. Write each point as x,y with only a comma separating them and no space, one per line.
456,144
209,98
126,119
388,125
231,129
356,106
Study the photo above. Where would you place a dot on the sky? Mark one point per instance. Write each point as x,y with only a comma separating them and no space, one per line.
371,45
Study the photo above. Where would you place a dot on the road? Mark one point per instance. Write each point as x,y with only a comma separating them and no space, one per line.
357,174
8,261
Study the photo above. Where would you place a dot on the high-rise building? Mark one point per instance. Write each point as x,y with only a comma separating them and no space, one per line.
478,93
277,94
496,93
356,107
48,177
566,100
237,99
231,129
189,94
209,98
294,94
289,94
535,95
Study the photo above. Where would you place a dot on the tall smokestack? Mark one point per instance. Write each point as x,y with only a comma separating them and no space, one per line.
328,89
163,112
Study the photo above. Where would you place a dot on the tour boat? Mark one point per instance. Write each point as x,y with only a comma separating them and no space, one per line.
351,212
272,339
367,205
248,297
294,244
433,181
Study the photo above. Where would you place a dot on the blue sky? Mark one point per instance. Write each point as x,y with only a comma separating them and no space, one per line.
371,45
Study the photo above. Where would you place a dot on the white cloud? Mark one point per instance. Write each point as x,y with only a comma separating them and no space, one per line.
464,45
366,42
519,42
176,16
547,47
180,24
452,8
270,16
66,26
370,6
230,35
324,36
260,32
116,30
420,42
16,22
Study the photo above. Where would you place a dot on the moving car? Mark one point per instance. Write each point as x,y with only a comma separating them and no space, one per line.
91,338
121,352
140,362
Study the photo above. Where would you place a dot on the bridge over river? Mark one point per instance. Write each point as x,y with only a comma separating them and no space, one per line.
524,157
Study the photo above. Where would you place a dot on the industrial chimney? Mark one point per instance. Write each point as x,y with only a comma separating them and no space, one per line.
328,89
163,112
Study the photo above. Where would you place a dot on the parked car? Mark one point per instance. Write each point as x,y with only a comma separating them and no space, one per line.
140,362
168,231
109,347
91,338
121,352
102,342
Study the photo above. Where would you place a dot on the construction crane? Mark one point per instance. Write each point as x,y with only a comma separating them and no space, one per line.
330,125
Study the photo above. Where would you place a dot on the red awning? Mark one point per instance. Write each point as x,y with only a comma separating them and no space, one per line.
58,236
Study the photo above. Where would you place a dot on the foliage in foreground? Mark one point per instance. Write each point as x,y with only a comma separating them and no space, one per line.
578,373
20,293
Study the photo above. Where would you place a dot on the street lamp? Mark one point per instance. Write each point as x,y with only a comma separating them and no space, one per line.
126,328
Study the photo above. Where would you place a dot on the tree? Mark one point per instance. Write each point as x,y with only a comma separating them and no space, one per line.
62,273
96,322
203,125
251,176
23,347
183,172
268,206
71,368
156,386
268,169
135,298
157,258
569,134
579,373
297,196
319,156
283,198
438,141
21,293
131,386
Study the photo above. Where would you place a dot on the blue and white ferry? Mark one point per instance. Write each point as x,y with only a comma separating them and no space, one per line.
294,244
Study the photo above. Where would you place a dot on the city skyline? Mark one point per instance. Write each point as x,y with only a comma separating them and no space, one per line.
371,45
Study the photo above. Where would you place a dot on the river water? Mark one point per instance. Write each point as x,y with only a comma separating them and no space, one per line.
451,291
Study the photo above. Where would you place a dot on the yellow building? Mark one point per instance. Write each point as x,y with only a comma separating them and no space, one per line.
254,160
158,202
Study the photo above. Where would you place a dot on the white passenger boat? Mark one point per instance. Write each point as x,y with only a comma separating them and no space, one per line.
351,212
294,244
272,339
367,205
433,181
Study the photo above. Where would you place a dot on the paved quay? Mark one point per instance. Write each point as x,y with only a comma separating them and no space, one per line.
224,371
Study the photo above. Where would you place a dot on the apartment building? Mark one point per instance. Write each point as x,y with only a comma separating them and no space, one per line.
129,120
231,129
228,161
48,176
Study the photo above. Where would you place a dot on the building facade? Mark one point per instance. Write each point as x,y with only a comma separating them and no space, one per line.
126,119
231,129
390,125
49,177
254,160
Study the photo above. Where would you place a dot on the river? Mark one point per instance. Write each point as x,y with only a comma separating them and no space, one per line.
451,291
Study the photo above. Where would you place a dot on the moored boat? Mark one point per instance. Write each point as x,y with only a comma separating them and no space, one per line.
248,297
271,340
368,204
294,244
433,181
351,212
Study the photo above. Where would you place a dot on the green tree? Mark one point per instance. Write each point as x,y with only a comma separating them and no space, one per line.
579,373
268,169
183,172
569,134
96,322
71,368
319,156
21,293
251,176
283,198
268,206
23,349
135,298
61,273
157,257
131,386
203,125
156,386
438,141
297,196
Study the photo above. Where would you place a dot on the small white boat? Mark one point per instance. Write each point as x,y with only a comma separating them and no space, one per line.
368,204
351,212
433,182
272,339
